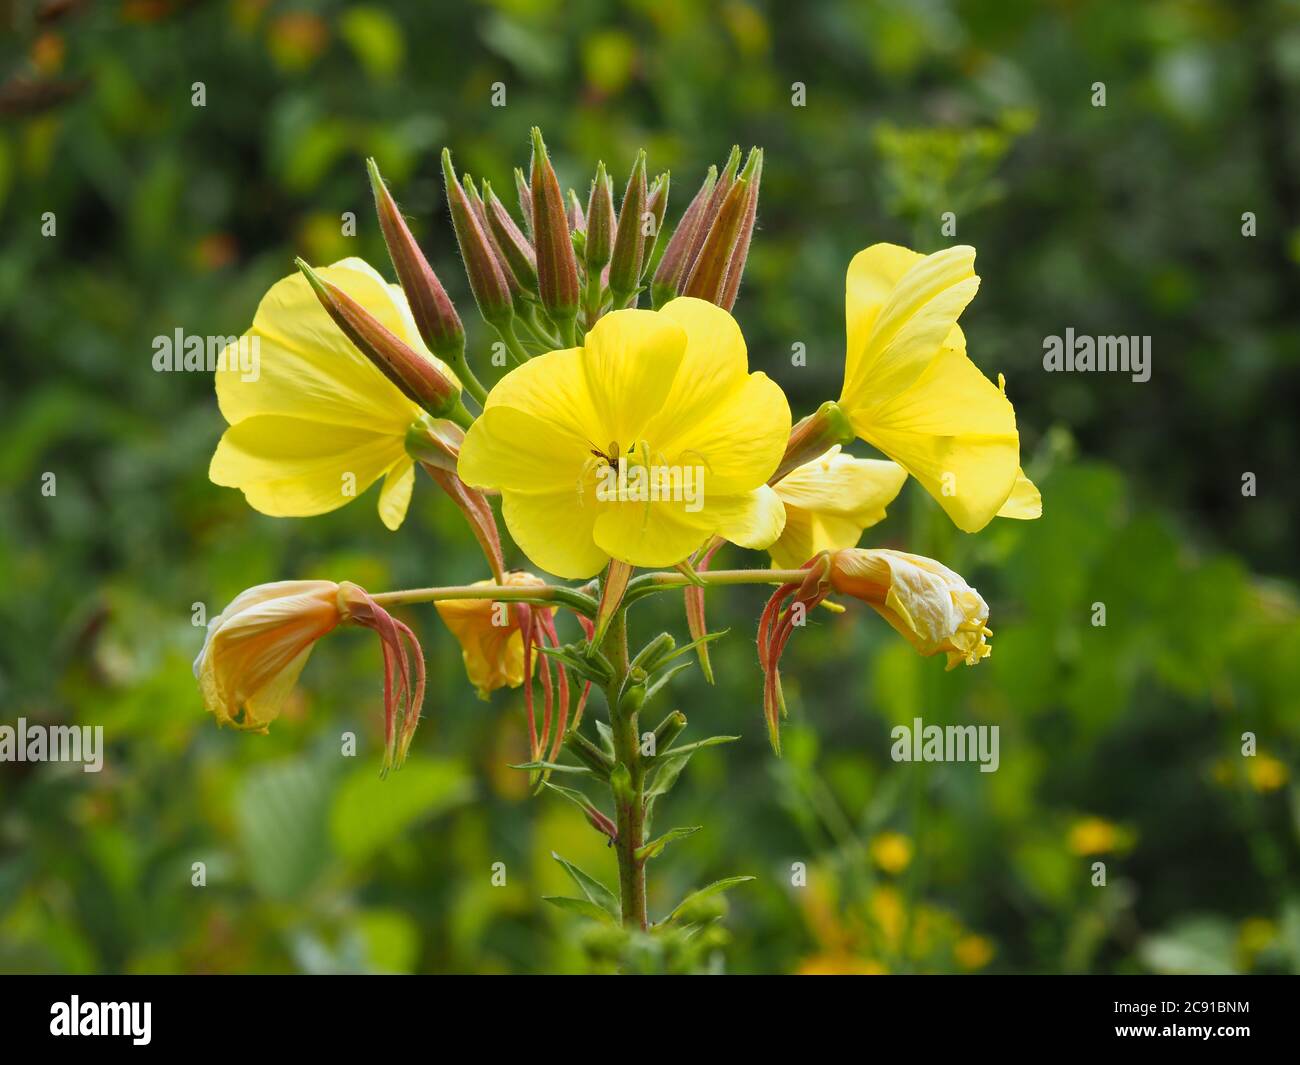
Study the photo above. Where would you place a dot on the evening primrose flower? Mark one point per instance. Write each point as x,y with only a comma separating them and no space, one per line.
910,389
830,501
932,607
492,644
256,648
639,446
319,423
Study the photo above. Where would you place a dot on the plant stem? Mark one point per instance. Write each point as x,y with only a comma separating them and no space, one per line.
649,583
549,594
629,799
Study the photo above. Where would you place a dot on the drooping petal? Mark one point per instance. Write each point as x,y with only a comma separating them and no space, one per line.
1025,501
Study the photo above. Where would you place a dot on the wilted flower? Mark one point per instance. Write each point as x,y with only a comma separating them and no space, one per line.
491,642
320,423
651,398
932,607
256,648
830,501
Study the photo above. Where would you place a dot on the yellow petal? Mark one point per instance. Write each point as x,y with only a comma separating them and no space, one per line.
287,467
514,449
955,432
630,359
308,369
900,309
555,529
753,519
395,495
837,483
553,389
1025,502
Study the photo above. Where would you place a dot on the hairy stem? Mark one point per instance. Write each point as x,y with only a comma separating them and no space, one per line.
549,594
649,583
629,793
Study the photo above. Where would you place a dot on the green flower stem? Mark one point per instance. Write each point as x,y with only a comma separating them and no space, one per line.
546,595
649,583
629,790
533,322
461,368
506,330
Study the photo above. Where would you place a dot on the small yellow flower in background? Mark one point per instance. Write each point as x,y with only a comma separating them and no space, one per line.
932,607
892,851
493,654
910,389
972,952
840,965
316,423
1254,935
1094,835
580,442
830,501
256,648
1266,773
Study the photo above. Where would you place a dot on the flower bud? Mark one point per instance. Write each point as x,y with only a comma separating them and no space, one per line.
418,378
932,607
510,240
629,241
721,190
557,268
751,175
480,212
813,436
577,220
671,270
657,205
435,315
487,280
709,274
600,222
525,200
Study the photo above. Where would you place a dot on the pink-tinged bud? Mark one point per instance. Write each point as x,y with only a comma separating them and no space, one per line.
510,240
435,315
557,268
600,222
751,175
577,220
525,195
709,274
629,241
721,190
419,378
671,271
657,206
487,280
480,212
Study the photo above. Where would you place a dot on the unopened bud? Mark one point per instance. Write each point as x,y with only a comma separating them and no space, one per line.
577,220
813,436
419,378
657,207
510,240
629,241
487,280
557,268
709,274
721,190
751,175
434,313
525,200
669,729
671,271
600,222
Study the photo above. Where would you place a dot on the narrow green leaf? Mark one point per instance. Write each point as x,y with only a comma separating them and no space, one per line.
593,889
669,765
655,847
705,892
554,766
606,735
580,906
660,682
708,637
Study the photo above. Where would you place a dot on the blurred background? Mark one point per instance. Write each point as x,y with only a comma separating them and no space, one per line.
1120,744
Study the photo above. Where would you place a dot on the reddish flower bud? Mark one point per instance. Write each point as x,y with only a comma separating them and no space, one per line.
557,268
434,313
418,377
487,280
672,267
751,175
600,222
717,198
629,241
709,274
525,195
510,240
577,220
657,205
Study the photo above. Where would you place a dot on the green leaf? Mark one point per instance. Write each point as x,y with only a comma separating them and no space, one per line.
596,892
370,812
595,668
653,688
606,735
705,892
669,765
554,766
655,847
602,824
580,906
708,637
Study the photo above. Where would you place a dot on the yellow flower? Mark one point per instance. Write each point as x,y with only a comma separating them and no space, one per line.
892,851
1093,835
972,951
586,443
932,607
493,653
911,391
256,648
829,501
318,423
1265,772
840,965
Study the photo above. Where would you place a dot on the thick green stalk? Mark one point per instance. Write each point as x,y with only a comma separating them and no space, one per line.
629,792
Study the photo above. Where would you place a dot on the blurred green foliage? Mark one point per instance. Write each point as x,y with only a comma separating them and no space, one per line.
1119,743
